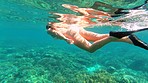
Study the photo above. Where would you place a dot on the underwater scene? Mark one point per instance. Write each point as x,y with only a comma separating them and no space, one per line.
28,54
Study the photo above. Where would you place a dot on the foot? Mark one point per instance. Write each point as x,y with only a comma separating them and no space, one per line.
137,42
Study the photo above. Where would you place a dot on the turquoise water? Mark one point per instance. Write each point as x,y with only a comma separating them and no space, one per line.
29,55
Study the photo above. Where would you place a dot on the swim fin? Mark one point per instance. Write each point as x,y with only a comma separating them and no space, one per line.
138,42
126,33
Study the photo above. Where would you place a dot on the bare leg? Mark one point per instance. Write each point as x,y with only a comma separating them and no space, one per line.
91,36
125,39
82,43
100,43
134,41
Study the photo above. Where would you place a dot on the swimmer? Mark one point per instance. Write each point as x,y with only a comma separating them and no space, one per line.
73,34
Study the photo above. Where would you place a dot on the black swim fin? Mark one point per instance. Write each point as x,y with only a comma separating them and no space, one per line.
138,42
125,33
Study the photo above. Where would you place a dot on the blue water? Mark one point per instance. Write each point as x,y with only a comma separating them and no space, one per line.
29,55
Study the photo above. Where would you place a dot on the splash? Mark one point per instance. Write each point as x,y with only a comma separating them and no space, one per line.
136,19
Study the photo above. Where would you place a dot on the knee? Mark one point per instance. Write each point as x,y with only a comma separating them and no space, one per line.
91,50
111,38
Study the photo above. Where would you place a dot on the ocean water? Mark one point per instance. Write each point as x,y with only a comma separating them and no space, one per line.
29,55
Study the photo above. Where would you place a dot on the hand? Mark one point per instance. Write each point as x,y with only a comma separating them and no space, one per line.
70,41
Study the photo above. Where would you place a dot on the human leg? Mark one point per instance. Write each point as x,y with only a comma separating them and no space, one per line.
132,39
84,44
128,37
91,36
83,41
101,40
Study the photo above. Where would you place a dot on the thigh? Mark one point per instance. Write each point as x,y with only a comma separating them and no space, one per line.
91,36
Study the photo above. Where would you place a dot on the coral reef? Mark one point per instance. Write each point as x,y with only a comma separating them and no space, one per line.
44,65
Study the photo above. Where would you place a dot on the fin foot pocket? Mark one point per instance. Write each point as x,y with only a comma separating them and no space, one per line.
138,42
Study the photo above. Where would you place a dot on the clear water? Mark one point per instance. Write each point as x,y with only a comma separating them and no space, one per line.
29,55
